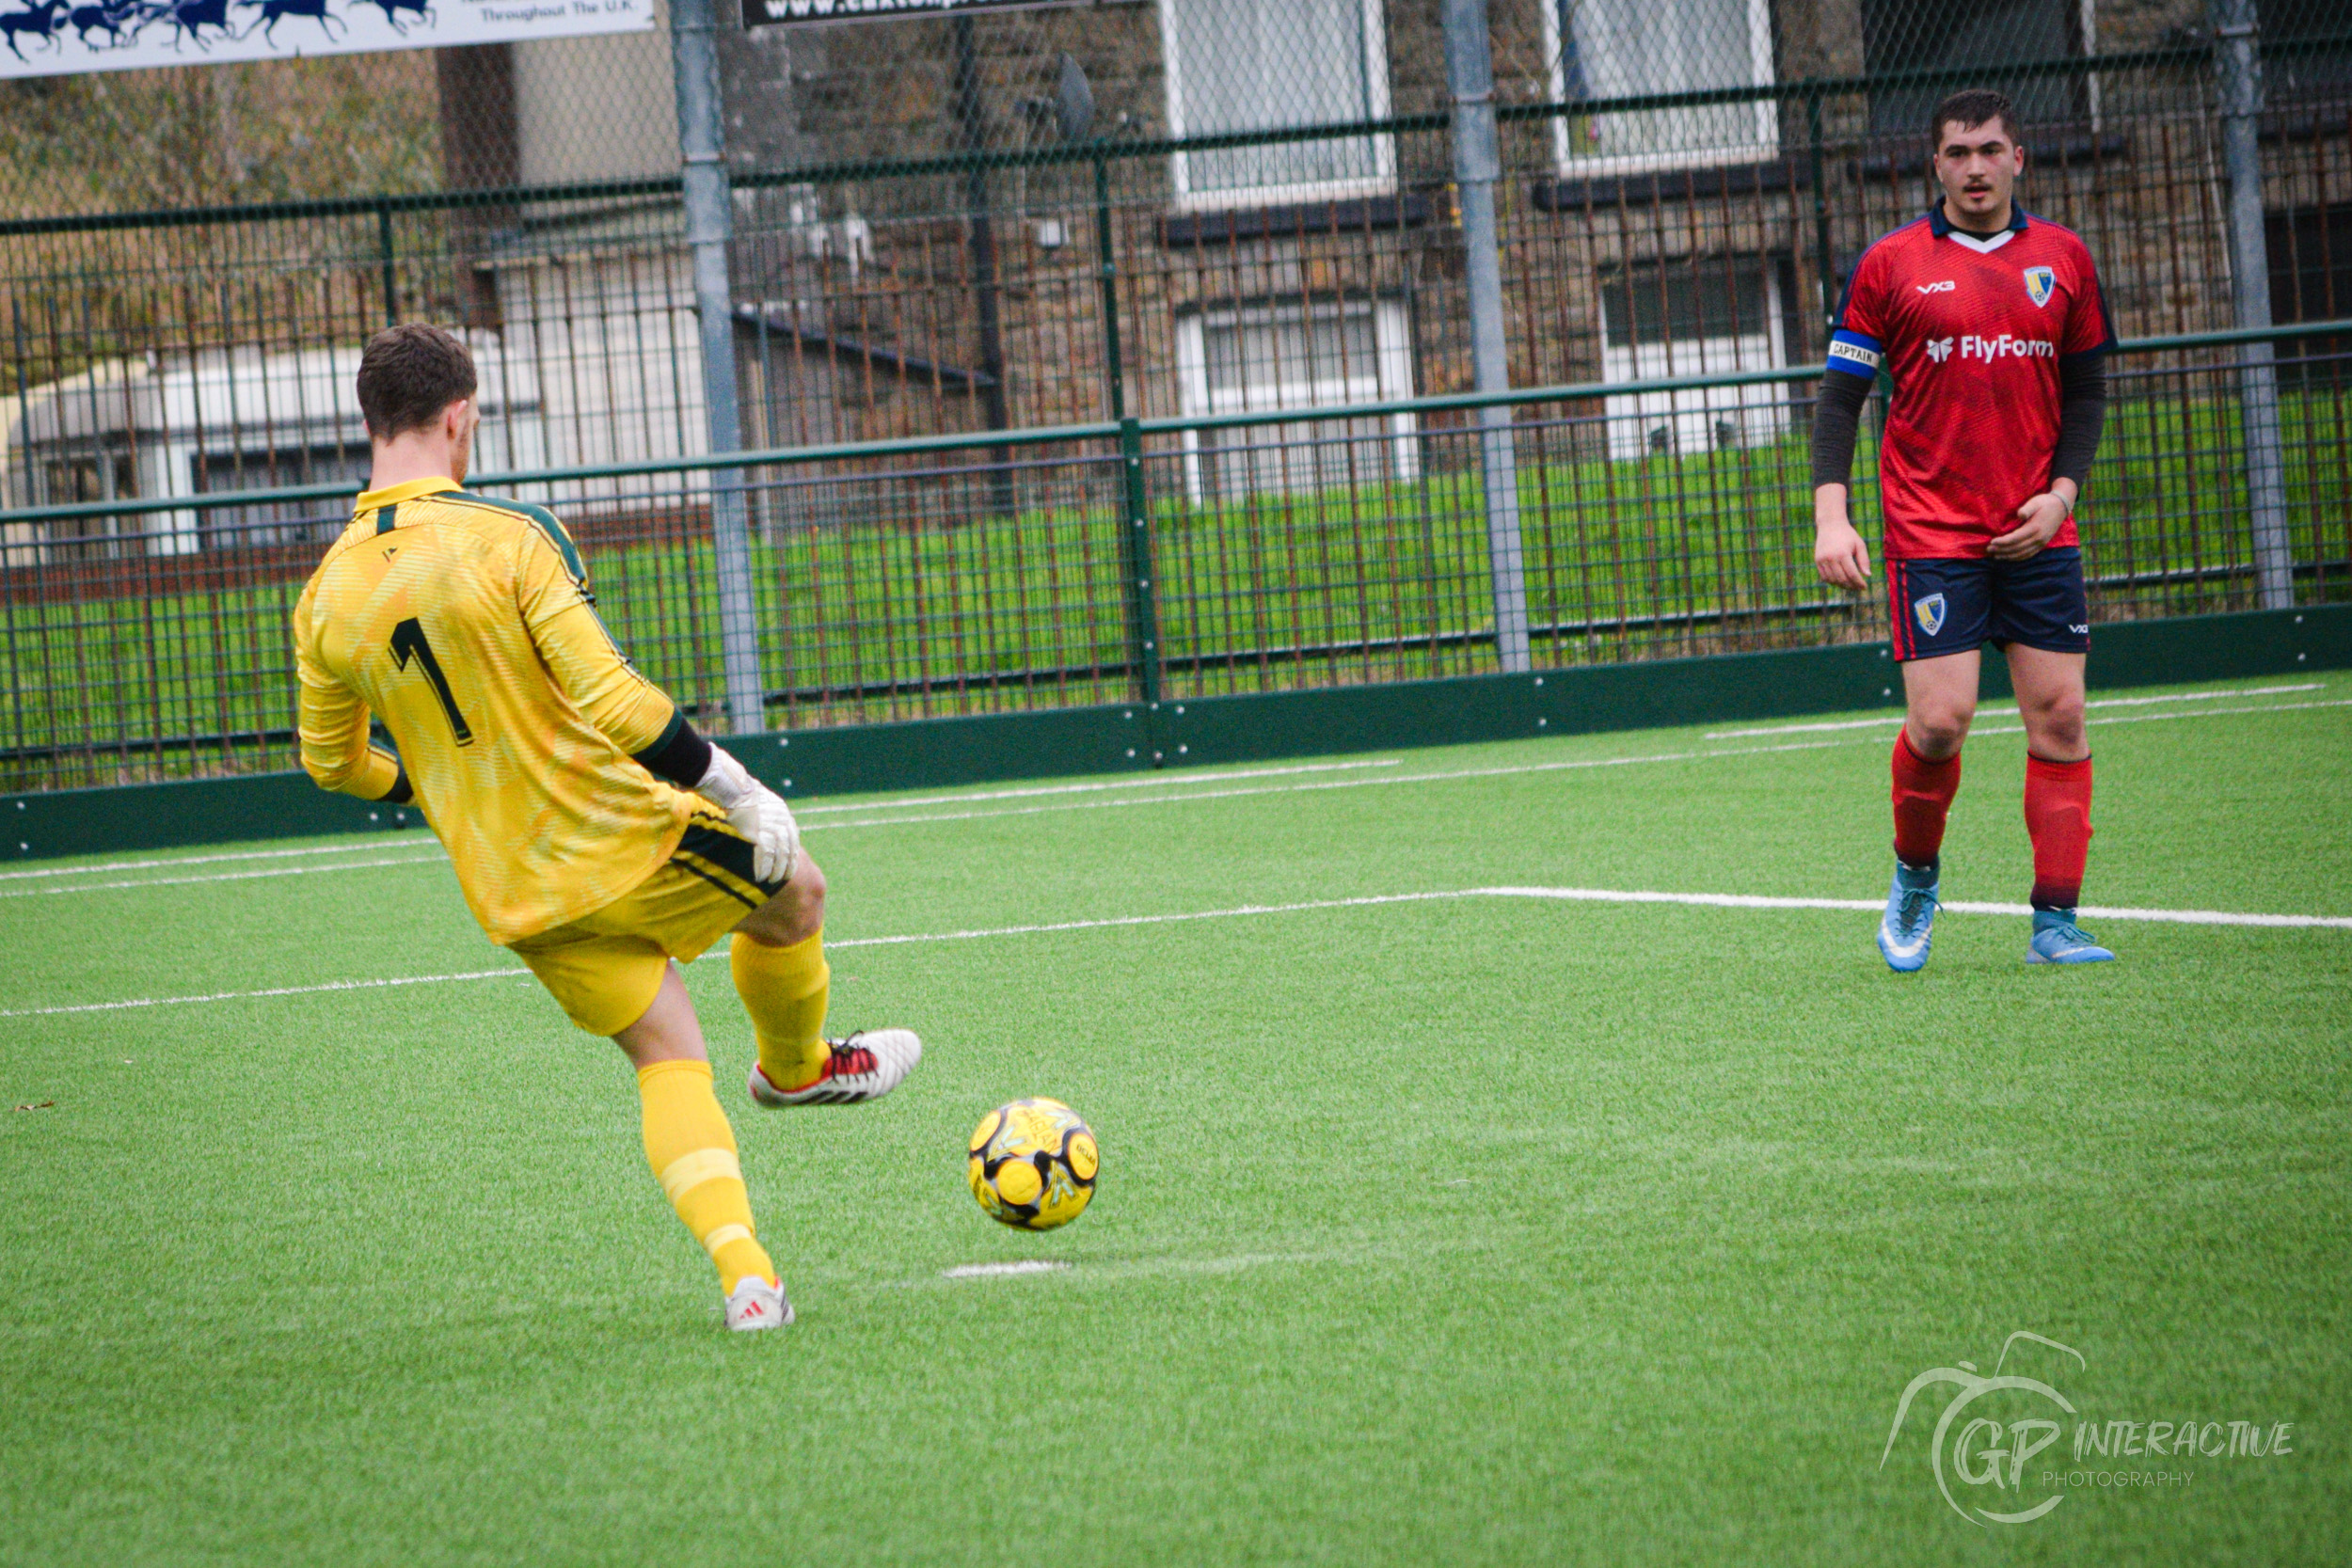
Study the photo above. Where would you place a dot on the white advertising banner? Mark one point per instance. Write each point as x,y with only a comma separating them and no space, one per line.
761,13
63,38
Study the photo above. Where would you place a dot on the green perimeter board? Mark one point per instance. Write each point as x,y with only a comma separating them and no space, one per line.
1256,726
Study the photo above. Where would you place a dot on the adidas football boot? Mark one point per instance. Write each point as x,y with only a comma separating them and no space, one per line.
757,1304
866,1065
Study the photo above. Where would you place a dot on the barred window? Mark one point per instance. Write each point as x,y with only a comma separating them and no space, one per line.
1290,354
1929,35
1692,316
1243,65
1627,47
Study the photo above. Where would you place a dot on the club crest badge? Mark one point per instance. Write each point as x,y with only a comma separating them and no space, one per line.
1930,613
2041,283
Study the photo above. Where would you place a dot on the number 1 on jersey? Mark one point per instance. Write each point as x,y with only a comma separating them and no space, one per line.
408,642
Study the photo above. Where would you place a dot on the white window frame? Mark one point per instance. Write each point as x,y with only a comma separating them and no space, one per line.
1763,411
1764,147
1392,378
1380,182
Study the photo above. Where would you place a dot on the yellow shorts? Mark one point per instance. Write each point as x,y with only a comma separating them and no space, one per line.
604,968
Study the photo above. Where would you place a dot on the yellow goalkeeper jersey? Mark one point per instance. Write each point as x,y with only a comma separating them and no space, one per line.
465,626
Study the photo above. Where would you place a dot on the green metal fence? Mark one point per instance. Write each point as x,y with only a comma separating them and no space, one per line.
1073,282
1152,559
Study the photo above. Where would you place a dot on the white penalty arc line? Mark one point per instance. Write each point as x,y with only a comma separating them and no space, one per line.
1562,894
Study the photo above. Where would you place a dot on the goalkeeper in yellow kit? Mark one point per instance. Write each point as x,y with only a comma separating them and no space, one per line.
593,833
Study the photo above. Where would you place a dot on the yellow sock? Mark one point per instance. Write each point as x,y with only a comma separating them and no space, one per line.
786,989
691,1150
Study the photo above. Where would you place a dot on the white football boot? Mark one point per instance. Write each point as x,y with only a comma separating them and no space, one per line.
757,1304
866,1065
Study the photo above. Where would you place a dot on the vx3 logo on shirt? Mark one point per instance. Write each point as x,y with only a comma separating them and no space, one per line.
1945,287
1940,350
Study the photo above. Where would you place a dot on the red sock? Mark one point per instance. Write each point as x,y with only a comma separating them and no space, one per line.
2057,816
1923,797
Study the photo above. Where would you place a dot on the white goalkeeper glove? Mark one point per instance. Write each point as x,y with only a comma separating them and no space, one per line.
755,810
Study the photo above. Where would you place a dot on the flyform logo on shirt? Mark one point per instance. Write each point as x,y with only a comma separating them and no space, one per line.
2041,282
1940,349
2007,347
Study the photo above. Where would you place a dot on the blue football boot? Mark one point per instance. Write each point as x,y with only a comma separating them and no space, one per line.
2057,939
1910,920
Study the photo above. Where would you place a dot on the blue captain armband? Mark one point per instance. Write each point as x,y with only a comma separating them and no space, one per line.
1855,354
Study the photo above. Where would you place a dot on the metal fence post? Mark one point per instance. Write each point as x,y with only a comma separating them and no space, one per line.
1107,257
2236,29
972,117
1143,615
1477,165
709,229
1824,257
384,253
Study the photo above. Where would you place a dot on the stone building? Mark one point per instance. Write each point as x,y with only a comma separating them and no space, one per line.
920,227
880,292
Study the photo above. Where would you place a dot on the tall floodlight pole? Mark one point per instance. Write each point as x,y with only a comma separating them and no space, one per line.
2236,30
710,229
1477,165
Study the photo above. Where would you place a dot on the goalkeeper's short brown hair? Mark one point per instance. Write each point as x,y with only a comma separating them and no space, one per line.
408,374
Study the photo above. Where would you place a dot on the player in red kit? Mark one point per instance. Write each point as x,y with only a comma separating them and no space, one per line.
1990,322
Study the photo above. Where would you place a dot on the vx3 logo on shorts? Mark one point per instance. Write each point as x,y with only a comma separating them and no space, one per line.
2040,283
1940,350
1928,612
1945,287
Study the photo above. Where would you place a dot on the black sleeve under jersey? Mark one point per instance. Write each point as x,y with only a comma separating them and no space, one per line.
1837,420
681,756
2082,414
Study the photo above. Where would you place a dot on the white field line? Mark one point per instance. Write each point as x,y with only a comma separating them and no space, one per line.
1092,789
1508,771
1569,895
431,849
217,876
2200,713
275,990
1189,795
1016,811
2011,712
1757,901
106,866
1516,770
992,1271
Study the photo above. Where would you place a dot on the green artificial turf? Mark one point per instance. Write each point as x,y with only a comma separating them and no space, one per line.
1473,1231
